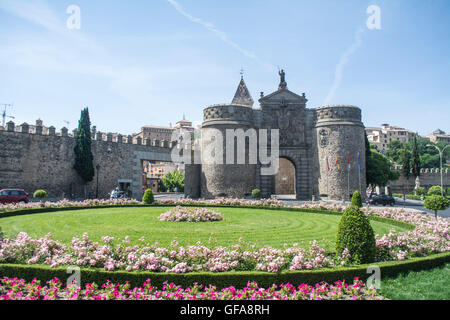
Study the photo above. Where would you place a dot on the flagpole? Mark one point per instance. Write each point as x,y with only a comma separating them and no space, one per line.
348,176
359,175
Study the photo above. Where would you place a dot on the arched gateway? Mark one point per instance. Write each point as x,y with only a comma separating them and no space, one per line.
304,139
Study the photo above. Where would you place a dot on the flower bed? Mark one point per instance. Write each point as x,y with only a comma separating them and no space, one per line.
430,236
180,214
19,289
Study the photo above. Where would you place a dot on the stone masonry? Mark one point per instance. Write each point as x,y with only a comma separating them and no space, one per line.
307,138
33,161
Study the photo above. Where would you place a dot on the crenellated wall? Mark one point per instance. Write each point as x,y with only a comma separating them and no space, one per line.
427,179
34,157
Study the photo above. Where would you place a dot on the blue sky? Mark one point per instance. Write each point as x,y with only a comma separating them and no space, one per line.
137,62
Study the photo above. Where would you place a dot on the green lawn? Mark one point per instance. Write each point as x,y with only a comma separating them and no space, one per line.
424,285
267,227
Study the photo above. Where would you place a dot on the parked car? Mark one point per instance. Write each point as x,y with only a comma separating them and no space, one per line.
13,196
382,200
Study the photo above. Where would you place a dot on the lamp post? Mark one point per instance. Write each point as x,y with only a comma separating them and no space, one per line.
98,170
441,154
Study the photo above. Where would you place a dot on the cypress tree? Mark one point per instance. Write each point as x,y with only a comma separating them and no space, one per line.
406,164
83,154
415,158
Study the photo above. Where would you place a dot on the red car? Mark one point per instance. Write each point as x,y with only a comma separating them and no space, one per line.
13,196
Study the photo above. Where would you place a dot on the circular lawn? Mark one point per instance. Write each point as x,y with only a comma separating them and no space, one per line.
266,227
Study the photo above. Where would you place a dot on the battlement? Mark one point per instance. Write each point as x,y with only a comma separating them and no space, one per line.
339,112
229,112
429,171
98,136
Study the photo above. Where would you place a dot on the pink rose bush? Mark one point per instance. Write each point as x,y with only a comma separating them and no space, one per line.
19,289
180,214
67,204
430,236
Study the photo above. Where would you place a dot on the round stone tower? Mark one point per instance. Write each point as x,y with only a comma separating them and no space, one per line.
219,177
340,139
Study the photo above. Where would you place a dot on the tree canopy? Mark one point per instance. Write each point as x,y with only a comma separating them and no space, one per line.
428,156
379,169
83,154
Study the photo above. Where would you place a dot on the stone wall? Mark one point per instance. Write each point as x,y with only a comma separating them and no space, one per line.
340,134
427,179
33,161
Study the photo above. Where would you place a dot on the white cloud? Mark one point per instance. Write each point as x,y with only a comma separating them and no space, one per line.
221,35
345,57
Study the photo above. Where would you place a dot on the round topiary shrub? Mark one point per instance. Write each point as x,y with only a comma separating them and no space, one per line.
356,235
435,191
436,203
40,194
148,197
357,199
256,194
420,191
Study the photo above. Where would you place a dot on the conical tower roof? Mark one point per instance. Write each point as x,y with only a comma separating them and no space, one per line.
242,95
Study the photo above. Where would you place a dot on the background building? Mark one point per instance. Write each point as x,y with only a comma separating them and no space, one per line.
381,137
438,135
156,133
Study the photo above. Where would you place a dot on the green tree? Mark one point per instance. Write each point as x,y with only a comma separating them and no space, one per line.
148,197
406,164
83,154
394,151
436,203
435,191
356,235
379,170
40,194
357,199
415,158
171,181
256,194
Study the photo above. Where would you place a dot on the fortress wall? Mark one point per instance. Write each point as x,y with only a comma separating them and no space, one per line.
33,161
428,178
339,132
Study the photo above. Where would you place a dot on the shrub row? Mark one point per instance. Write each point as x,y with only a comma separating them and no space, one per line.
223,280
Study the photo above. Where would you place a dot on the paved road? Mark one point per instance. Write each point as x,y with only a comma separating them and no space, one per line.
412,204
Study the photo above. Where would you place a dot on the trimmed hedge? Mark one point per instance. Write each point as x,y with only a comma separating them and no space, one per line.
148,197
40,194
357,199
226,279
356,234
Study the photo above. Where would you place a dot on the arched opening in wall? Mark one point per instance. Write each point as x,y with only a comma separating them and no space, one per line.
154,171
285,181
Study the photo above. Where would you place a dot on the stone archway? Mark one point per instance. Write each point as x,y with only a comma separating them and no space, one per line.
285,181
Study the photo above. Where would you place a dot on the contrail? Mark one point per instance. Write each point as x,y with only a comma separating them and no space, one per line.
220,34
342,62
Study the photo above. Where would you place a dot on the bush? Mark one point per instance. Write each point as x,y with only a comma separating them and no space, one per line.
357,199
447,192
356,235
436,203
226,279
256,194
421,191
148,197
40,194
435,191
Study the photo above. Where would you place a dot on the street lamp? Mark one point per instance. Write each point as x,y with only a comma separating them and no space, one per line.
98,170
441,154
